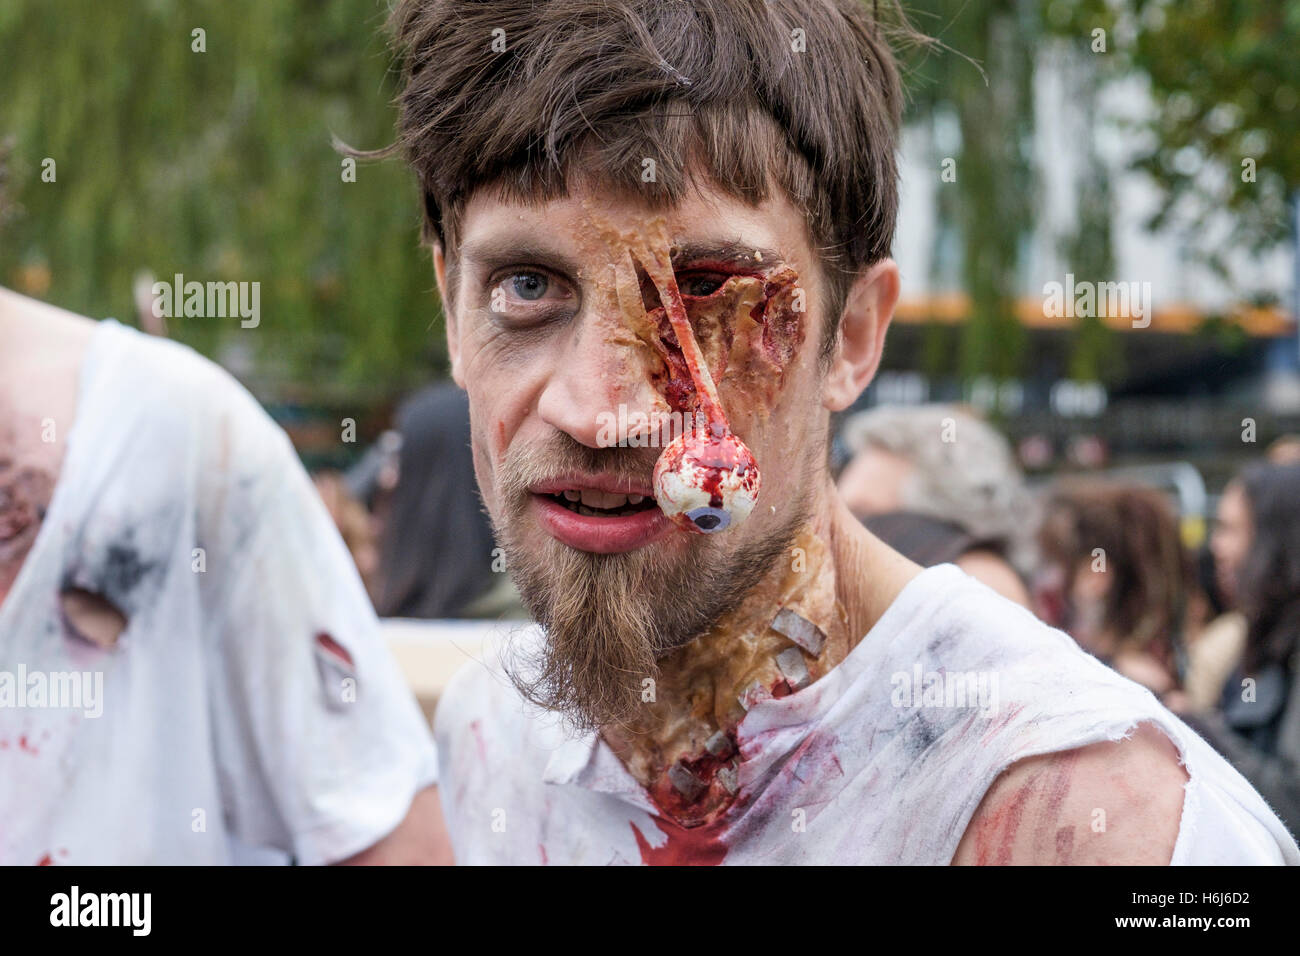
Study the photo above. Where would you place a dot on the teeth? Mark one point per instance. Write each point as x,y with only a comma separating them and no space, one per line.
603,499
589,501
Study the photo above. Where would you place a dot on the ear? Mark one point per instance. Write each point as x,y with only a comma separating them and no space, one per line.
453,327
868,310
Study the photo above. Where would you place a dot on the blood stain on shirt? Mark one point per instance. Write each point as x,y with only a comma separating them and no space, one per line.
337,673
336,650
1002,721
476,728
696,846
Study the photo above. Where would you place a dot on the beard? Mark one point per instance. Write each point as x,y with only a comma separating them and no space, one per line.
609,618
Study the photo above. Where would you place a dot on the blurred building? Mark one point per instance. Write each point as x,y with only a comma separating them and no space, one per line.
1213,356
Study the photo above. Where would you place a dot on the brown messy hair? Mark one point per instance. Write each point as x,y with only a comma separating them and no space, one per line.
1149,569
710,85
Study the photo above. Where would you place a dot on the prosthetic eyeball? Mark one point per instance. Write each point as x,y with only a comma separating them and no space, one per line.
706,480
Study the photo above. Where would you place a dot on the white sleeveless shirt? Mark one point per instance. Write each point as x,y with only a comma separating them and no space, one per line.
884,760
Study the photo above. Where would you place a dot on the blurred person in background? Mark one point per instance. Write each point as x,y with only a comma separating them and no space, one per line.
1116,578
1257,726
942,463
1214,653
437,555
1284,450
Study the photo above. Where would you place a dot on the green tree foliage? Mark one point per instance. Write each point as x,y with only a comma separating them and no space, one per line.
1095,354
218,165
1224,76
981,81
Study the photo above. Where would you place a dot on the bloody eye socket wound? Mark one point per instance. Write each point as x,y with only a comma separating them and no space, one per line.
706,480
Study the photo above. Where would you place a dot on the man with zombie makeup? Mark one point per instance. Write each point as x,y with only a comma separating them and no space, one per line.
646,213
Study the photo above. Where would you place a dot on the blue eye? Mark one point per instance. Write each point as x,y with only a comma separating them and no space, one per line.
529,285
710,520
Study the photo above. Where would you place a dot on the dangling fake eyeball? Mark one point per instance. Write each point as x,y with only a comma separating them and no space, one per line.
706,482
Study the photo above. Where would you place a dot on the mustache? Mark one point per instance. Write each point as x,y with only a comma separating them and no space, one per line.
560,455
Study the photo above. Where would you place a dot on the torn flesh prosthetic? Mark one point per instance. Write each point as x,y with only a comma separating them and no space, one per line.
689,746
707,480
736,345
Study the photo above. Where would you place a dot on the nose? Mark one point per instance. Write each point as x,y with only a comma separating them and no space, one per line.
599,391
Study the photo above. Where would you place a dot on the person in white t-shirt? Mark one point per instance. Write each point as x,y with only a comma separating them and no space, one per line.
190,670
647,219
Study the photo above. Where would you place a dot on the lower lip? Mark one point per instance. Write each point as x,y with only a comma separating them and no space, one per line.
612,535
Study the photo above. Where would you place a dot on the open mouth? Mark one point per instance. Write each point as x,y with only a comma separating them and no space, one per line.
602,514
601,504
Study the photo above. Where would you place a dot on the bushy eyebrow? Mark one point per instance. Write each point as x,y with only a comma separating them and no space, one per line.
498,252
730,252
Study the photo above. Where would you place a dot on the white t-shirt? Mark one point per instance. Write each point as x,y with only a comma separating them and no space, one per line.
250,702
884,760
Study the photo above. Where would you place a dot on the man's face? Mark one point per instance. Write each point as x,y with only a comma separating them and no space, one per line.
550,327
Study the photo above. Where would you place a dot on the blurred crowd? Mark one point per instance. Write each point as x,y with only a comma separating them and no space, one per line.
1212,626
410,513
